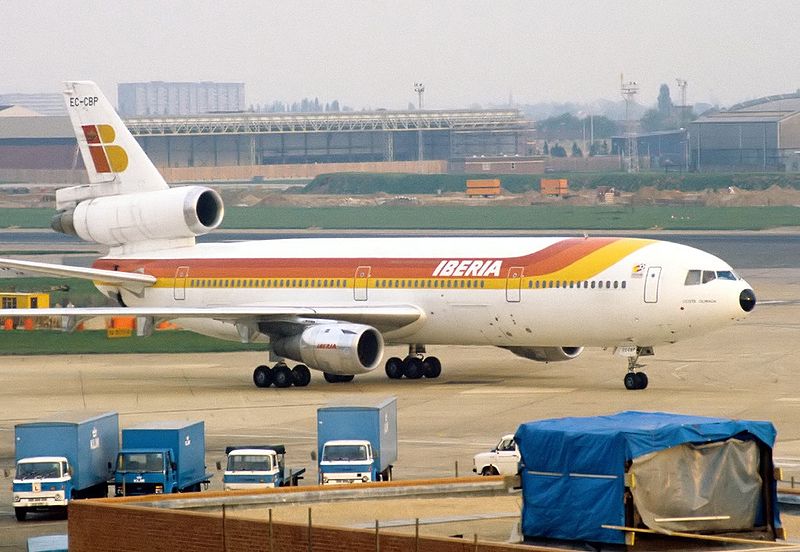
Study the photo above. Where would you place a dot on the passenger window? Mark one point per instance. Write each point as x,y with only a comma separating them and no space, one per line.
692,278
623,284
709,275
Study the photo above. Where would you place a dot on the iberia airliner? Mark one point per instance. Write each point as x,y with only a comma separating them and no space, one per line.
332,304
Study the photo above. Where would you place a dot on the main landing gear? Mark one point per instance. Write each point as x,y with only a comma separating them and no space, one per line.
636,380
282,376
415,365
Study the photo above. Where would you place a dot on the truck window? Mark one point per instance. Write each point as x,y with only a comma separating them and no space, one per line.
506,444
247,462
39,470
339,453
141,462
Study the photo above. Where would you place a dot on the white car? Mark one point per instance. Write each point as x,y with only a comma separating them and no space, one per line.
501,460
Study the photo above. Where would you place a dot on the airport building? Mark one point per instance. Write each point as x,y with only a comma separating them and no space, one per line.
179,98
758,135
247,145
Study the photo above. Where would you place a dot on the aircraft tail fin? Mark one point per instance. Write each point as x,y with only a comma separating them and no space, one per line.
114,160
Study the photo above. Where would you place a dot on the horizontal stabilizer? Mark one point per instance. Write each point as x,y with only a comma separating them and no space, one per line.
129,280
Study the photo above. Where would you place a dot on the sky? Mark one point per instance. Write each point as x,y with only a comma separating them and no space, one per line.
369,54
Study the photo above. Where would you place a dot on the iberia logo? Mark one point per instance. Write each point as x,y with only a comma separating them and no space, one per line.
106,156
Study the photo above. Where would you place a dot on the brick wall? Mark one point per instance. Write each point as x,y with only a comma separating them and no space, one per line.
96,526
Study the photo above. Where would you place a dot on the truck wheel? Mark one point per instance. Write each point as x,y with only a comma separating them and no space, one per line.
20,513
489,470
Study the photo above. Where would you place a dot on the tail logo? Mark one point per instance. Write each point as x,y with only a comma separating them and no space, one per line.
106,156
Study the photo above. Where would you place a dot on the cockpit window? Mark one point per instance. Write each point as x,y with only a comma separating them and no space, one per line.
696,277
692,278
708,275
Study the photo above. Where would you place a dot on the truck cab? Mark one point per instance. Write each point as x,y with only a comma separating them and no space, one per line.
41,482
145,471
503,459
350,461
254,468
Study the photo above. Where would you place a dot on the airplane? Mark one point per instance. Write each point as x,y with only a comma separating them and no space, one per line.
333,304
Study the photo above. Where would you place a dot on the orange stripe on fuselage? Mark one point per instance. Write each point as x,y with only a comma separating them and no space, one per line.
549,260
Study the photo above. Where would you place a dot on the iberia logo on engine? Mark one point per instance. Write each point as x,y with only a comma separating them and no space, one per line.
106,156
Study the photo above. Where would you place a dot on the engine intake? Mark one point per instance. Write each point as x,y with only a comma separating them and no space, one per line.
342,349
160,215
547,354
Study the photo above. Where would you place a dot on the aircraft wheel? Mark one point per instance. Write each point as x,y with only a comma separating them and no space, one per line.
432,367
394,368
630,381
346,378
413,367
262,376
641,380
301,375
283,376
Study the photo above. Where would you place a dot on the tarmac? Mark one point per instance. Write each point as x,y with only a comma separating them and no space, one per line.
748,370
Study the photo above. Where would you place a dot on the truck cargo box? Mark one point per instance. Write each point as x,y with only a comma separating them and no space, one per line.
89,442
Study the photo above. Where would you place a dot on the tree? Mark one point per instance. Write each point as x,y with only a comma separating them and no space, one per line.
558,151
576,150
546,149
664,101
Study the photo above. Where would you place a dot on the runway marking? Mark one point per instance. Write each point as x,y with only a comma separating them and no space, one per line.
788,399
517,390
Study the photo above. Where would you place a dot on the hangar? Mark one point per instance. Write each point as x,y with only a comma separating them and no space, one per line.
758,135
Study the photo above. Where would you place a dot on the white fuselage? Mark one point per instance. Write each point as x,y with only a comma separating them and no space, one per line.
501,291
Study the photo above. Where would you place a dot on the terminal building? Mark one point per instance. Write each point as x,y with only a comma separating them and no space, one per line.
248,145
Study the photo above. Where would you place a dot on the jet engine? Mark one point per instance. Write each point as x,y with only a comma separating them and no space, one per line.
547,354
342,349
159,215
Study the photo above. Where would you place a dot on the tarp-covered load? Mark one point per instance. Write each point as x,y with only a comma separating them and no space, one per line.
668,472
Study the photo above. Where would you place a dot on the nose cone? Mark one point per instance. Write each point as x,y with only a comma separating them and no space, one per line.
747,300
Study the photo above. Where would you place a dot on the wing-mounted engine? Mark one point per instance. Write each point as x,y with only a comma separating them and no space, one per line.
342,349
161,215
547,354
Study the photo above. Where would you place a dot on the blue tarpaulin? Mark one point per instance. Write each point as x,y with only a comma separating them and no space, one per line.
573,469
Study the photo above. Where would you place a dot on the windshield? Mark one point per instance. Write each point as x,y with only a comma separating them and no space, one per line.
338,453
141,462
39,470
249,462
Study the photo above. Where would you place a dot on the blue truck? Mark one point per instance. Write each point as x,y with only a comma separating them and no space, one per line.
258,467
161,457
68,456
357,443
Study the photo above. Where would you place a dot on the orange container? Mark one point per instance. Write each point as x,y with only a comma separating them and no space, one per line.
8,324
28,324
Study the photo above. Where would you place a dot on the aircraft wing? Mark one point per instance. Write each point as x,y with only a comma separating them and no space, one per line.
383,318
129,280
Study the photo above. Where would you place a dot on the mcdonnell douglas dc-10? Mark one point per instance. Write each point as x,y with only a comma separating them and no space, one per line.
331,304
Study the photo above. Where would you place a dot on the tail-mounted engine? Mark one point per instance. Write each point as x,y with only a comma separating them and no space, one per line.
342,349
175,213
547,354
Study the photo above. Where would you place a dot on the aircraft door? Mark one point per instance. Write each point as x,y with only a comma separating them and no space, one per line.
179,289
651,283
361,283
514,284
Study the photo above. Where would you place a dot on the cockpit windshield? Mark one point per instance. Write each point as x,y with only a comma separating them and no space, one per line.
698,277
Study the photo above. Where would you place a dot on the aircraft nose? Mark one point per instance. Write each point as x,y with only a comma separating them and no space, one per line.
747,300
